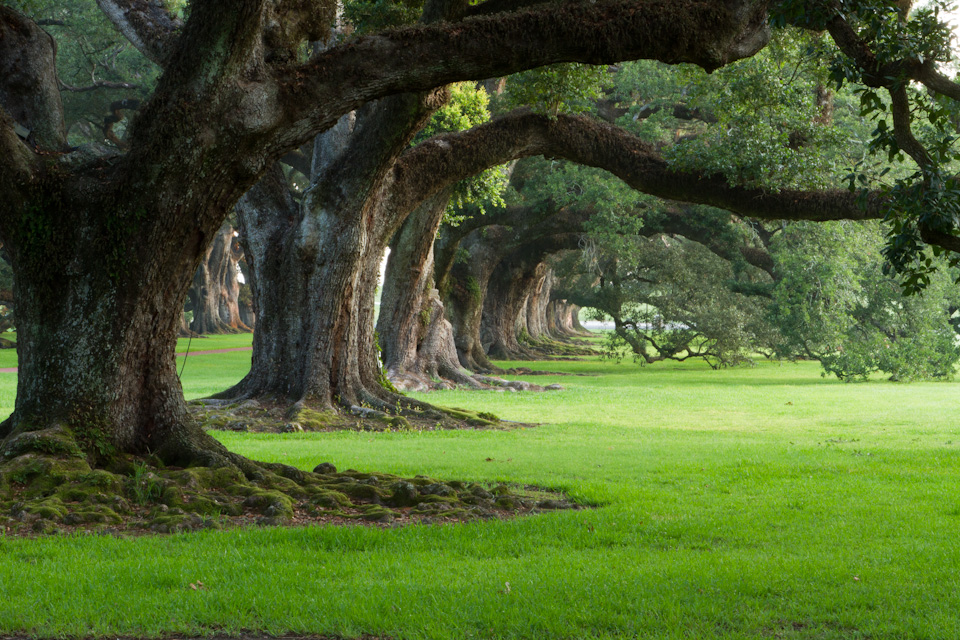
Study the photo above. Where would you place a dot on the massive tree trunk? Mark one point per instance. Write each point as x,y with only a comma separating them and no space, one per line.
317,263
563,319
416,339
504,316
215,293
538,296
465,284
97,331
102,257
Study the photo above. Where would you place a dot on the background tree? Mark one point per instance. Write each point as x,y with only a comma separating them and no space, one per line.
834,304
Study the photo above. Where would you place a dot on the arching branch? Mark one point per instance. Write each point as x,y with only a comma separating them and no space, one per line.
710,34
455,156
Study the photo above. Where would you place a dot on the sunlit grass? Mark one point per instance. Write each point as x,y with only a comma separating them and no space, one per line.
746,503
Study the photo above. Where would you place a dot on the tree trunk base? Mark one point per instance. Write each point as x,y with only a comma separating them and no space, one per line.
550,348
47,486
273,414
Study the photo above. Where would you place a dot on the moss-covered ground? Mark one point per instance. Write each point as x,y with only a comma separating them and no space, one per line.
743,503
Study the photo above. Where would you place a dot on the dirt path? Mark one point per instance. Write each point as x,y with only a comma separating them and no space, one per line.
179,355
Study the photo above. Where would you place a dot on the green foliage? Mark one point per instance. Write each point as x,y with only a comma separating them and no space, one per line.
768,117
556,184
834,303
473,289
145,487
557,88
670,299
927,198
467,108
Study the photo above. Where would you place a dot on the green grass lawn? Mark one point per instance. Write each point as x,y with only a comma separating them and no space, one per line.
748,503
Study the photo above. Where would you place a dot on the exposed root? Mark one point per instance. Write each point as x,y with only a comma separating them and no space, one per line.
545,348
43,493
281,417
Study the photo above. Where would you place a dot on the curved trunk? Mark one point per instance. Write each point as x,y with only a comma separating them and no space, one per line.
537,298
416,339
575,325
317,265
560,318
215,292
465,287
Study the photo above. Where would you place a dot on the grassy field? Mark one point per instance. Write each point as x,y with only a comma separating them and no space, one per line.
749,503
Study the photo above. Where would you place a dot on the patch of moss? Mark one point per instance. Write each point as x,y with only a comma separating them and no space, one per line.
434,499
272,504
99,514
312,420
359,491
55,441
472,418
67,492
329,499
49,509
285,485
400,423
376,513
177,522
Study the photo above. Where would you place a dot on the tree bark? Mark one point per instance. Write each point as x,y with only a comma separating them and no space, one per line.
317,265
465,285
538,295
215,293
96,339
416,339
503,316
564,320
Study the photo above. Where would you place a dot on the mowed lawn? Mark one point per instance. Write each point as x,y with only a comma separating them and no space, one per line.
747,503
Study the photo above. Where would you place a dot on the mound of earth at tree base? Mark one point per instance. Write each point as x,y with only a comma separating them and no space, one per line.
42,494
266,417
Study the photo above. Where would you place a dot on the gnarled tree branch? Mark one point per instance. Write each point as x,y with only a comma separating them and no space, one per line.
710,34
29,91
450,157
146,24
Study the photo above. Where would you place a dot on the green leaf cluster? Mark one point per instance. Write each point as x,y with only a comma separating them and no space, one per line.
834,303
557,88
467,107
